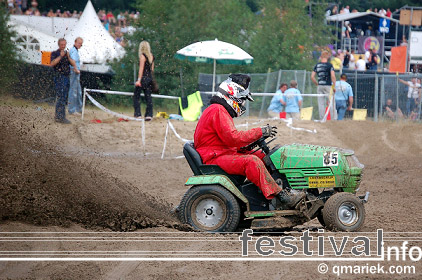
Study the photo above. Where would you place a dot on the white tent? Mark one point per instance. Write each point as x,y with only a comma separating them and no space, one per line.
98,46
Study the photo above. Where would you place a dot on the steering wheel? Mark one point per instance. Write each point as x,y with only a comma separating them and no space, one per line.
260,144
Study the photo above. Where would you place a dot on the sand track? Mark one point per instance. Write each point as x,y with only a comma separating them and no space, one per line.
94,177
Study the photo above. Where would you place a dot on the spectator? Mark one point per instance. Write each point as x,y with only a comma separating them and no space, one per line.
11,6
388,13
75,91
352,60
413,95
373,60
336,62
51,13
344,94
368,55
110,17
121,19
361,64
276,107
326,77
292,101
34,4
382,12
346,59
403,42
144,82
18,6
347,9
391,110
61,61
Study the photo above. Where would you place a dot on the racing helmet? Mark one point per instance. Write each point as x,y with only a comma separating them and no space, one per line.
235,91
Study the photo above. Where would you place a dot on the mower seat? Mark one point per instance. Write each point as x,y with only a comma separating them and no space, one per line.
198,168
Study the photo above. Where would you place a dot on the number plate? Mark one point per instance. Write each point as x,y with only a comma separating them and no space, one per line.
322,182
330,159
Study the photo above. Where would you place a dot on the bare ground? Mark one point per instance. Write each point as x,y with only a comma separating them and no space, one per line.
93,179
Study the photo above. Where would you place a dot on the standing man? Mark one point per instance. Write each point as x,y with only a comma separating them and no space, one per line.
60,61
276,107
75,91
326,78
343,94
413,95
292,100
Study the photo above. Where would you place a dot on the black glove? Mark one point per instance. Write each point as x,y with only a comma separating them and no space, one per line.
269,130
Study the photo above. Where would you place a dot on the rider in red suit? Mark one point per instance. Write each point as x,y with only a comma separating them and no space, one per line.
218,141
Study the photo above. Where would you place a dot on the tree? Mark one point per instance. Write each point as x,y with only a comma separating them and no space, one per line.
286,36
8,56
171,26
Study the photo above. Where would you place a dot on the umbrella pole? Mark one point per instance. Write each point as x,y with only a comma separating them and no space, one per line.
213,77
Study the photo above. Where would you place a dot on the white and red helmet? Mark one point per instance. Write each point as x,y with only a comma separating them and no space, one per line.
235,91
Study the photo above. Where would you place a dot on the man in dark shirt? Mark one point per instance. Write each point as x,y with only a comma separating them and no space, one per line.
326,78
60,61
391,110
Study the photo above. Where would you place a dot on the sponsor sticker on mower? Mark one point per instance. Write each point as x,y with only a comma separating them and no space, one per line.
322,182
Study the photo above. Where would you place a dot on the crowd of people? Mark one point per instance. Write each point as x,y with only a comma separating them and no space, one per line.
334,10
345,59
118,25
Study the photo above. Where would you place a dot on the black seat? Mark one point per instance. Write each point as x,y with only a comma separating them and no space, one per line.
198,168
193,157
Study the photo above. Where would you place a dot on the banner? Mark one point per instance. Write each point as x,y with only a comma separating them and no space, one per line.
398,59
370,42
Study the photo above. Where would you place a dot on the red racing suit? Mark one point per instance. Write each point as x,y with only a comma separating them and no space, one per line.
217,141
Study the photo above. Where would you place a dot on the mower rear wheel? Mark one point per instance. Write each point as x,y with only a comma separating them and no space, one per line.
343,212
210,208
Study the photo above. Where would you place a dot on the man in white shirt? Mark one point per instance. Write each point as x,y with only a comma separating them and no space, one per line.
360,64
413,94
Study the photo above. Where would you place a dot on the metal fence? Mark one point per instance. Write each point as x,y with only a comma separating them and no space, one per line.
371,90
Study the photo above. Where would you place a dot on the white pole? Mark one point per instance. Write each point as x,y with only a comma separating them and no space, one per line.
83,105
165,140
143,135
213,77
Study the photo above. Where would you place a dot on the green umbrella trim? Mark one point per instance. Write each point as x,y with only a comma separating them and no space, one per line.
210,60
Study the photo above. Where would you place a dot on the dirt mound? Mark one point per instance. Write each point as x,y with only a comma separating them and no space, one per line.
41,186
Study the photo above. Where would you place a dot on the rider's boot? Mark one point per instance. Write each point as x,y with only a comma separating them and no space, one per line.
289,198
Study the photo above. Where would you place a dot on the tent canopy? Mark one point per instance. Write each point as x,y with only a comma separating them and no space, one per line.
98,46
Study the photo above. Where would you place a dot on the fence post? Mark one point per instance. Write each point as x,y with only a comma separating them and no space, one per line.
397,96
266,91
376,98
356,89
382,99
278,80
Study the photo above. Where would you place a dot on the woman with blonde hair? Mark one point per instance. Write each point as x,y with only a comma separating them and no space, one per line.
144,82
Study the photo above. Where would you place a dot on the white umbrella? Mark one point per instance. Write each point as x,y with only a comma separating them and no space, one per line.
214,51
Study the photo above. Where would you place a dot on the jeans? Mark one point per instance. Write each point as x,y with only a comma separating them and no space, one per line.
410,105
341,106
148,100
322,100
75,94
61,83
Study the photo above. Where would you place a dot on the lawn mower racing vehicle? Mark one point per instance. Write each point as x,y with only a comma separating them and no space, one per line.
330,177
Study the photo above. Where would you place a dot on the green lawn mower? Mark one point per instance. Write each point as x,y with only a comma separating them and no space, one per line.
330,177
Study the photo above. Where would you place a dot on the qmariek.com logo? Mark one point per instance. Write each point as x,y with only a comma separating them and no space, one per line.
341,245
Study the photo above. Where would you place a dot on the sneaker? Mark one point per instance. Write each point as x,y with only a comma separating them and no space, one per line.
147,119
63,121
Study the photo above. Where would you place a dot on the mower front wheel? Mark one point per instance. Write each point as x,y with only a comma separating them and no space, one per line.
343,212
210,208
